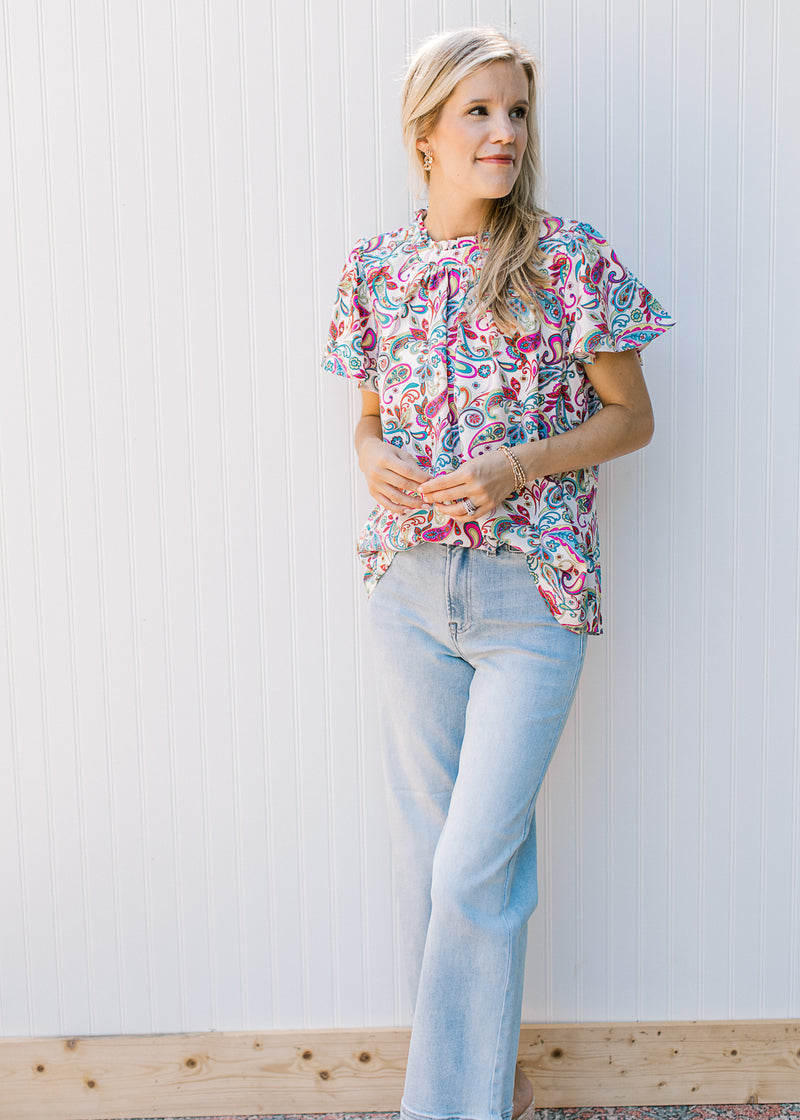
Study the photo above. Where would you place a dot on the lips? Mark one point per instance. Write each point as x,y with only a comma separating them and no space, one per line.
495,159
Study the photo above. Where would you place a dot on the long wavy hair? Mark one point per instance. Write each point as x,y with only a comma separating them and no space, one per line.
513,259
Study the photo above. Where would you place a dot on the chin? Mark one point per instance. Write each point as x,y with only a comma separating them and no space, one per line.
499,186
499,190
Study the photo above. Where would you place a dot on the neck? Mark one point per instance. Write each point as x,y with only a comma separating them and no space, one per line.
447,221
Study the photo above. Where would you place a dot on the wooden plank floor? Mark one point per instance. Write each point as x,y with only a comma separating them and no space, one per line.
361,1071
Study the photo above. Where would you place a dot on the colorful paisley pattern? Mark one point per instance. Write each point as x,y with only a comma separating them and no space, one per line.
452,386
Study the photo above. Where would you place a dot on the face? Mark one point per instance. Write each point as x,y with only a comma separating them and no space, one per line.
479,139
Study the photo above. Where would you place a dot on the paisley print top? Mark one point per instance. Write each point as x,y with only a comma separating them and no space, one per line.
452,386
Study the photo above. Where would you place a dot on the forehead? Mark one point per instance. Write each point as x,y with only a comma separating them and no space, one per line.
501,80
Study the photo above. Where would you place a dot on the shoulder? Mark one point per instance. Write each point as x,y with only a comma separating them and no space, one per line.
377,251
571,236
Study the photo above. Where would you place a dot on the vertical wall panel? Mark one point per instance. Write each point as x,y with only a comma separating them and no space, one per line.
781,728
192,823
681,401
722,474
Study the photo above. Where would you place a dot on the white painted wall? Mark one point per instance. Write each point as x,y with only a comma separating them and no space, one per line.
192,832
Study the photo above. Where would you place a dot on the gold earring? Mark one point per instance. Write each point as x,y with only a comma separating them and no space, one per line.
427,163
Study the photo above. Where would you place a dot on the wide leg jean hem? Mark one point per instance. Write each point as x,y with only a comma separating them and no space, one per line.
410,1114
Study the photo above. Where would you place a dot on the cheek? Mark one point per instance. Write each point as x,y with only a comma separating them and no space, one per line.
459,152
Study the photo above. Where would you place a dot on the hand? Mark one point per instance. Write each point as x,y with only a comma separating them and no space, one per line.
391,472
486,480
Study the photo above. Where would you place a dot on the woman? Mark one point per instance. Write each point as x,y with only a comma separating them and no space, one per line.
497,350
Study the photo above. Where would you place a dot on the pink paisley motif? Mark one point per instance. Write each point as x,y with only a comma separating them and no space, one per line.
472,531
528,342
435,533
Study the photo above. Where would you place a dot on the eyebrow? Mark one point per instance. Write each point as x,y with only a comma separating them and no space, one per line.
481,100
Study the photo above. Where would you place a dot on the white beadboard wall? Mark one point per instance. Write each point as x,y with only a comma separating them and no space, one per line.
192,831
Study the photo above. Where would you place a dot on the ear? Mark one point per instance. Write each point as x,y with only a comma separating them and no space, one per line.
422,144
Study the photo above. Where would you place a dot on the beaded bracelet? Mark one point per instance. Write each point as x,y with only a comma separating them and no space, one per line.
516,466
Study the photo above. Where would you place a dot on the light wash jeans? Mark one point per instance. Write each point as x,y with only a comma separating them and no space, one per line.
475,680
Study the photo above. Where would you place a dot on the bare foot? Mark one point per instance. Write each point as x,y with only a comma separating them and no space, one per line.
523,1093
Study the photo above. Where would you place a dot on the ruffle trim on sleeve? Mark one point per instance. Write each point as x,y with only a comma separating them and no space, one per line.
613,311
350,350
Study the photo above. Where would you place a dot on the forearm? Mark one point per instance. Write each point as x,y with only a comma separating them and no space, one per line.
613,431
368,427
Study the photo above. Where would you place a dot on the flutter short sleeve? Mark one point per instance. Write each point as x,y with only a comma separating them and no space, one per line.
350,350
611,309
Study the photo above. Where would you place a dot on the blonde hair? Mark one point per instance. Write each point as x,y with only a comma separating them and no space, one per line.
513,259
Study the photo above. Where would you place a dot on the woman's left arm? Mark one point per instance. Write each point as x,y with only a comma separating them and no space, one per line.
623,424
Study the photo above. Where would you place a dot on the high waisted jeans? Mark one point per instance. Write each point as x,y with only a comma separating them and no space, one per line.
475,680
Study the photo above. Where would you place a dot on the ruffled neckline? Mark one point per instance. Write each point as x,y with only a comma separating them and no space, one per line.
448,245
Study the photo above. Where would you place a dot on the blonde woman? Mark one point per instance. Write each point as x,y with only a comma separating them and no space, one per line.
496,348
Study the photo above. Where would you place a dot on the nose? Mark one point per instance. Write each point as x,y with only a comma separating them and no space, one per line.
503,130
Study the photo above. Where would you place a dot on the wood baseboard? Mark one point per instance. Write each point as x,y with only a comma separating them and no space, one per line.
571,1065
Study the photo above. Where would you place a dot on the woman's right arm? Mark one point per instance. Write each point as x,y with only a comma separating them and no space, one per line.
390,471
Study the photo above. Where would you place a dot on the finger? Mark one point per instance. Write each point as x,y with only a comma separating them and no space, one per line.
449,485
451,498
390,479
442,483
456,494
399,455
459,511
463,518
402,465
396,499
445,492
412,472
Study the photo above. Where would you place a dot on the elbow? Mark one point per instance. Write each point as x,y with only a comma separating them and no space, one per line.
647,427
641,425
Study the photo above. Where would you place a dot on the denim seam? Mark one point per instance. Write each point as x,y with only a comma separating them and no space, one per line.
414,1115
448,557
511,863
469,561
454,629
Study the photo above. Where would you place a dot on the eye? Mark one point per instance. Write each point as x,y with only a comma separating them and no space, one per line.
520,113
478,109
